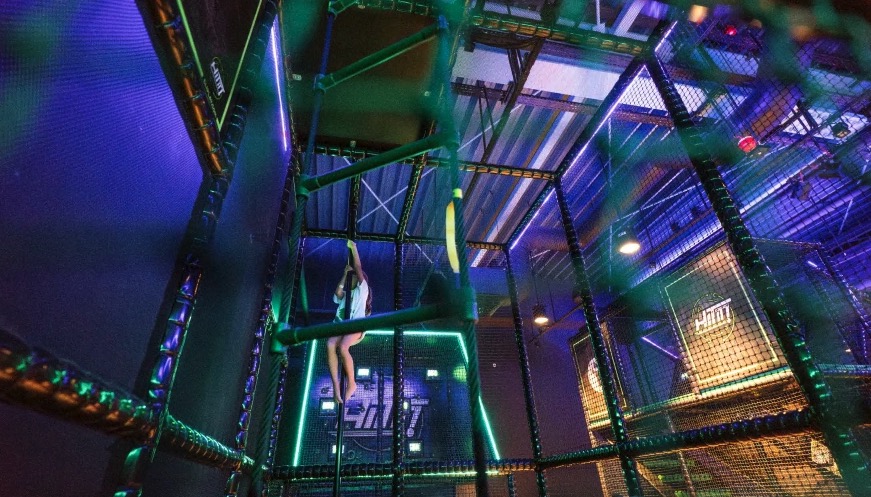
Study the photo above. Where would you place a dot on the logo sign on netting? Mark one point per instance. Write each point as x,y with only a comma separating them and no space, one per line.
713,318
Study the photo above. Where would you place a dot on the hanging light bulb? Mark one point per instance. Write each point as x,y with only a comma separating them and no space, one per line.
626,242
538,315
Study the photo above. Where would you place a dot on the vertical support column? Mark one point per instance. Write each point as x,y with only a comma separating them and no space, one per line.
278,378
531,416
839,438
319,90
398,378
166,363
512,488
302,193
353,203
583,295
446,122
858,308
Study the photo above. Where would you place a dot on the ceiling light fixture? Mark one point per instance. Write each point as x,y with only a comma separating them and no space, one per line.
626,242
840,129
539,317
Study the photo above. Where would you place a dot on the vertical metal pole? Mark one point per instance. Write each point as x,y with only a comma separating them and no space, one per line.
839,438
442,70
353,202
340,408
583,295
340,432
301,192
318,100
512,489
166,363
278,380
525,375
398,485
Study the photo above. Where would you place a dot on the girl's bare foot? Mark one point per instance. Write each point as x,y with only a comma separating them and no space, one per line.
336,395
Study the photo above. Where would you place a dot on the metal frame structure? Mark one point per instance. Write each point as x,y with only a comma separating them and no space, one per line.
37,380
463,306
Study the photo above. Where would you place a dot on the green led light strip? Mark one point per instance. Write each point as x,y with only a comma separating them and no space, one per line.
223,115
310,370
308,382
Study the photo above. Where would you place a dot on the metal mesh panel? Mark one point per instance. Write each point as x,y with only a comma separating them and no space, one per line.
798,174
576,480
797,465
687,339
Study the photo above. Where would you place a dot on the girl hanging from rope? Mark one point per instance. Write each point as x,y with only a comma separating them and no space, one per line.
361,305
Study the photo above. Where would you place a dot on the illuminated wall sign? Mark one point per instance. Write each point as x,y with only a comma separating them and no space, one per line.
217,80
715,320
723,335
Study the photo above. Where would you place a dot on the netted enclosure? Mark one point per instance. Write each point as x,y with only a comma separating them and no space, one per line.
683,290
610,248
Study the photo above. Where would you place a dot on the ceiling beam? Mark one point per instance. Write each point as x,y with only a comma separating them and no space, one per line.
561,105
627,16
540,29
391,238
468,166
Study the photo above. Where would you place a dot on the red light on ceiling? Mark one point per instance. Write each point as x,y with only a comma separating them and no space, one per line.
730,30
747,144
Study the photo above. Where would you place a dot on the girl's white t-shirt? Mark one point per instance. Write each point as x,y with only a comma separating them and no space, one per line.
359,296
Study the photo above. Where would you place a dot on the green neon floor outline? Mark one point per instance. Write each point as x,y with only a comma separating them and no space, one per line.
310,370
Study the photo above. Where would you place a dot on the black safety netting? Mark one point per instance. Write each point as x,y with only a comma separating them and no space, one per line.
797,168
446,485
688,342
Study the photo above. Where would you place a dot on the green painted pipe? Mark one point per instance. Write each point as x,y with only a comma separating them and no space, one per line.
397,154
294,336
380,57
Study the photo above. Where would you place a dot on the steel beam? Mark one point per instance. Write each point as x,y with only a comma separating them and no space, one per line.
398,460
468,166
421,8
411,469
33,378
583,294
776,425
520,70
170,33
397,154
608,106
182,440
560,105
525,375
605,110
378,237
541,29
287,335
376,59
